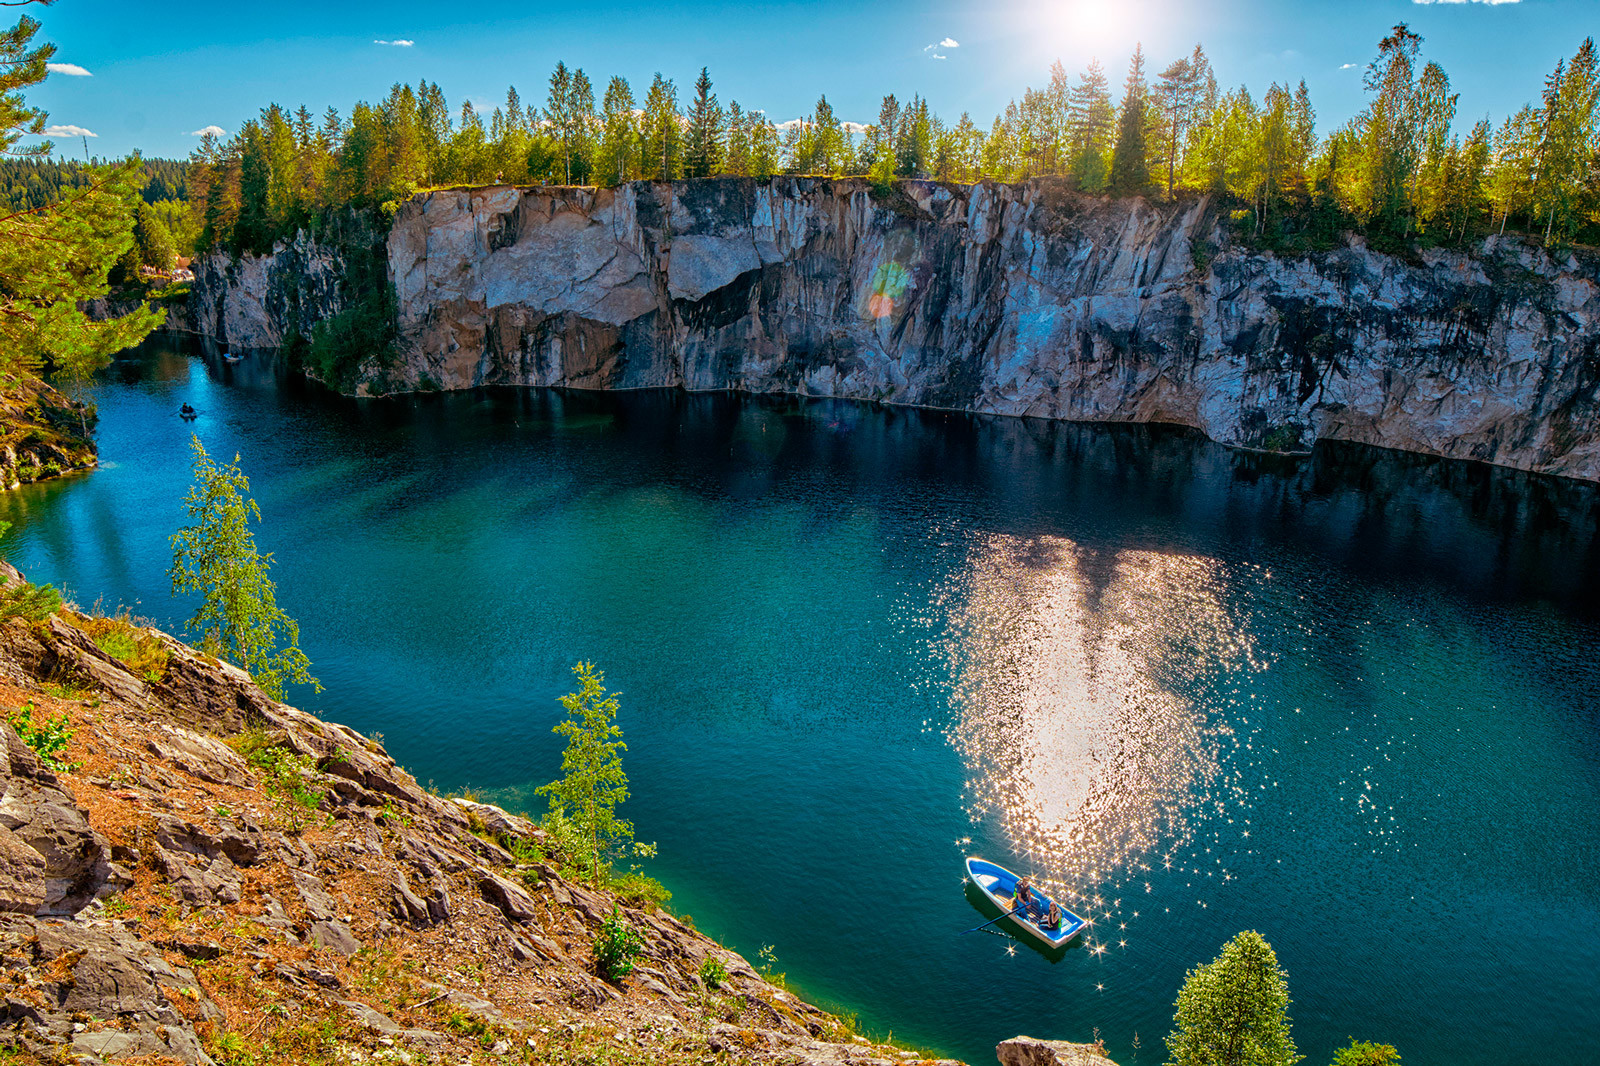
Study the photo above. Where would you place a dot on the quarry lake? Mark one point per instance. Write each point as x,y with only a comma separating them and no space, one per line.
1350,701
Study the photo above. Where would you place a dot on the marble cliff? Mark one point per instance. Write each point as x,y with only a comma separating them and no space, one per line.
1006,299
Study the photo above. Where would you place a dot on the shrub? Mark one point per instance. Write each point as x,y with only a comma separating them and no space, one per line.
616,946
283,772
132,644
24,599
46,740
1361,1053
712,973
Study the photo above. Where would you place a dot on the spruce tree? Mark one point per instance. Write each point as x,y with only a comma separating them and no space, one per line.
704,152
1090,120
663,139
1130,168
738,156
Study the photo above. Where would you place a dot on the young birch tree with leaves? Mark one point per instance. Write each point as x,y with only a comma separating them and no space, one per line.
216,556
592,784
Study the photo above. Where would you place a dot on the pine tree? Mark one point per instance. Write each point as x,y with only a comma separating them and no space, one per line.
704,151
1130,169
216,556
1179,94
1234,1011
593,783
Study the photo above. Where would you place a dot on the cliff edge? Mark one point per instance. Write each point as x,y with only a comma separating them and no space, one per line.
1008,299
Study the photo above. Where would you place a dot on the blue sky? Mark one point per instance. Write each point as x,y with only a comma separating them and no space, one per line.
159,72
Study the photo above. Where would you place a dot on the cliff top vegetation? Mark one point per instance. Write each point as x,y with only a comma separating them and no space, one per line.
1400,171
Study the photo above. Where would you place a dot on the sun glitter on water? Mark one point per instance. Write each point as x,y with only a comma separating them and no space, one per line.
1094,769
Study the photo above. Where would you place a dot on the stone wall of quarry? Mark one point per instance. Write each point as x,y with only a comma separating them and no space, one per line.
1020,299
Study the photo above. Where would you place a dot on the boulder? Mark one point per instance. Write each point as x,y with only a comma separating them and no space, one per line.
513,901
1029,1051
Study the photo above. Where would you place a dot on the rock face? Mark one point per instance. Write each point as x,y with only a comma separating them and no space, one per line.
210,872
1008,299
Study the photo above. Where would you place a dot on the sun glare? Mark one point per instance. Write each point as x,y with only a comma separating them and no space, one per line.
1087,25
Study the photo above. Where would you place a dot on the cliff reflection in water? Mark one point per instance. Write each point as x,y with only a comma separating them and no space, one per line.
1094,768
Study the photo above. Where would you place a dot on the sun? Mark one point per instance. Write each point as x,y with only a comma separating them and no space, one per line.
1087,25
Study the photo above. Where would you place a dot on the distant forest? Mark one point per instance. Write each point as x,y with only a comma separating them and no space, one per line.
1400,171
26,184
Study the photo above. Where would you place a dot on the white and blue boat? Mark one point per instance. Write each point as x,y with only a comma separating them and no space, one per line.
999,885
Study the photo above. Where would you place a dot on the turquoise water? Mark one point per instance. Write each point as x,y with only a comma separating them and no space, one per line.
1353,703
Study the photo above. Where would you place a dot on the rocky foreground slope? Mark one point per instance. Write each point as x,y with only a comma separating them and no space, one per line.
1009,299
221,878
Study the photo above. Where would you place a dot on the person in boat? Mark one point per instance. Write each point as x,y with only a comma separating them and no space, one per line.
186,411
1053,918
1026,904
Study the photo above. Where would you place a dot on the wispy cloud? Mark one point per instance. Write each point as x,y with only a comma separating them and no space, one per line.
854,127
949,42
71,69
1491,3
68,131
793,123
936,55
215,131
932,50
401,43
1348,66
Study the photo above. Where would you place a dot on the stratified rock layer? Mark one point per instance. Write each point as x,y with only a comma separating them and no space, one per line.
1008,299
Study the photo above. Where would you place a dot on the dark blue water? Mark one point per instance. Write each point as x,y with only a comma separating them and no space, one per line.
1351,702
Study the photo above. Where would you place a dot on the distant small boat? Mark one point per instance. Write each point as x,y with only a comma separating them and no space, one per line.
187,413
1000,886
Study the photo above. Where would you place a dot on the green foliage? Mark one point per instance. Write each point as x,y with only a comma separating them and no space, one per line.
59,254
616,945
713,973
365,330
32,602
120,638
216,556
46,738
283,772
593,783
1234,1011
1361,1053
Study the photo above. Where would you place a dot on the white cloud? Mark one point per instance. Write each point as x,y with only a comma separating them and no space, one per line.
937,56
215,131
949,42
68,131
791,124
71,69
854,127
402,43
1491,3
1348,66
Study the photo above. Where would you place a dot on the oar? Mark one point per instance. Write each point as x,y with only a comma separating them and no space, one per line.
991,921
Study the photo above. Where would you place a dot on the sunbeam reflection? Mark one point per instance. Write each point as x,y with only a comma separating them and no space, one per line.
1071,740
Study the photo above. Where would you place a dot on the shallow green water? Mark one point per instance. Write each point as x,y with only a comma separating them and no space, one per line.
1351,703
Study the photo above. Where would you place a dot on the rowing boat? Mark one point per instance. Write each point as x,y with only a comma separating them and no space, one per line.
999,885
